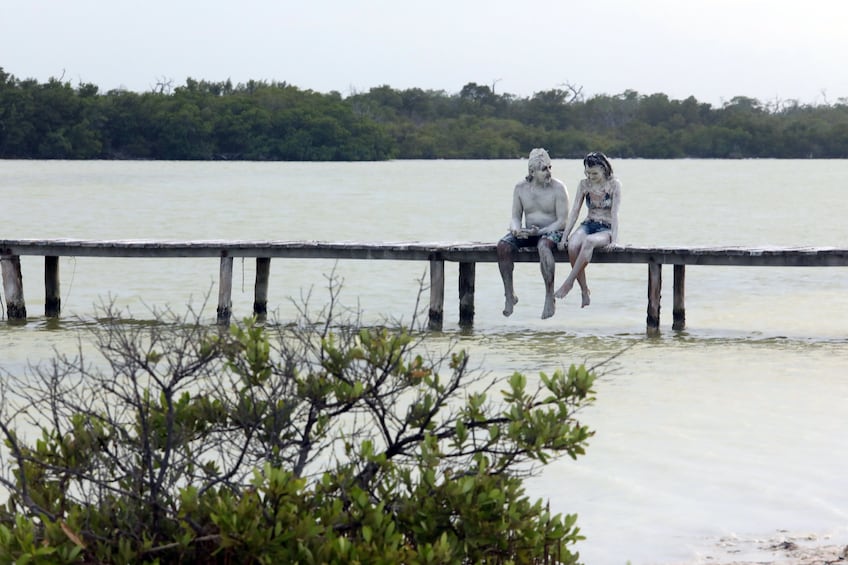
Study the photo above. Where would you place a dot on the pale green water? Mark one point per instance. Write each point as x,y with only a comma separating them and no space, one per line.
732,427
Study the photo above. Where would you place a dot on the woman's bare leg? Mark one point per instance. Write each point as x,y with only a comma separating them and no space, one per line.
581,281
582,258
584,288
575,244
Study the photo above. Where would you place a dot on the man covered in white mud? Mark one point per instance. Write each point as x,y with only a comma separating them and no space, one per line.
541,201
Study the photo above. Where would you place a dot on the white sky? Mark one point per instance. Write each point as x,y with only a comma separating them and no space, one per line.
711,49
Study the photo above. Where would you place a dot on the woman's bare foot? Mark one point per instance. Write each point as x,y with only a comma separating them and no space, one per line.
508,304
564,289
586,299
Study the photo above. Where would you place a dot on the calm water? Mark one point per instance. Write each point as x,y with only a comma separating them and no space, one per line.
732,429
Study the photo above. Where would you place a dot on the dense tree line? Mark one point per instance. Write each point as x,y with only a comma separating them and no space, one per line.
278,121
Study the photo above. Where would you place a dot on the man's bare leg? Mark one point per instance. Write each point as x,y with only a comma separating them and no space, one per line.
547,264
509,303
506,265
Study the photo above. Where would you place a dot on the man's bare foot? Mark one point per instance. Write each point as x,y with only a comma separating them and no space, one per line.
564,289
550,307
508,304
586,300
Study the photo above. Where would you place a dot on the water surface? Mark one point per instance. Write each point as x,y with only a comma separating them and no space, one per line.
732,428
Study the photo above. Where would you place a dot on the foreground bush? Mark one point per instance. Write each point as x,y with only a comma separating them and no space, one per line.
324,441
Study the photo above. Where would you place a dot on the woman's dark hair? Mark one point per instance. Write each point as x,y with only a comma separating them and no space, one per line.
598,159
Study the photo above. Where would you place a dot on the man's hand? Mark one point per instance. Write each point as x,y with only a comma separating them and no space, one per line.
524,233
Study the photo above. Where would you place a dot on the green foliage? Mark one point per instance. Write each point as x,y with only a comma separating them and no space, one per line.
200,121
319,442
277,121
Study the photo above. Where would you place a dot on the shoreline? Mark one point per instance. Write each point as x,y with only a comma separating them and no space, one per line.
783,548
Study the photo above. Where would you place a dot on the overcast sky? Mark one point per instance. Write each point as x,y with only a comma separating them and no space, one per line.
711,49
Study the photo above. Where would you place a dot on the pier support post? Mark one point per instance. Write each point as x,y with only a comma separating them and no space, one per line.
679,309
52,296
260,289
13,287
654,294
437,294
466,294
225,291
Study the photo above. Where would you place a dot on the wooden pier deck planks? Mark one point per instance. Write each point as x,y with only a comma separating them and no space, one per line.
467,254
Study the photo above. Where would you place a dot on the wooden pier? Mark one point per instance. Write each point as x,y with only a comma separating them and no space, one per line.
436,253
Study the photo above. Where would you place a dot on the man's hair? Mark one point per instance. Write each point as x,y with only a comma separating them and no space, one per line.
538,158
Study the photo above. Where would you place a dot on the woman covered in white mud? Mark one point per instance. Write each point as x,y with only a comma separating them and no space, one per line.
601,191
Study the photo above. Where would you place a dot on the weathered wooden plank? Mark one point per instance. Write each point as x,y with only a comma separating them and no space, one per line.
413,251
13,287
52,295
727,256
437,294
469,252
